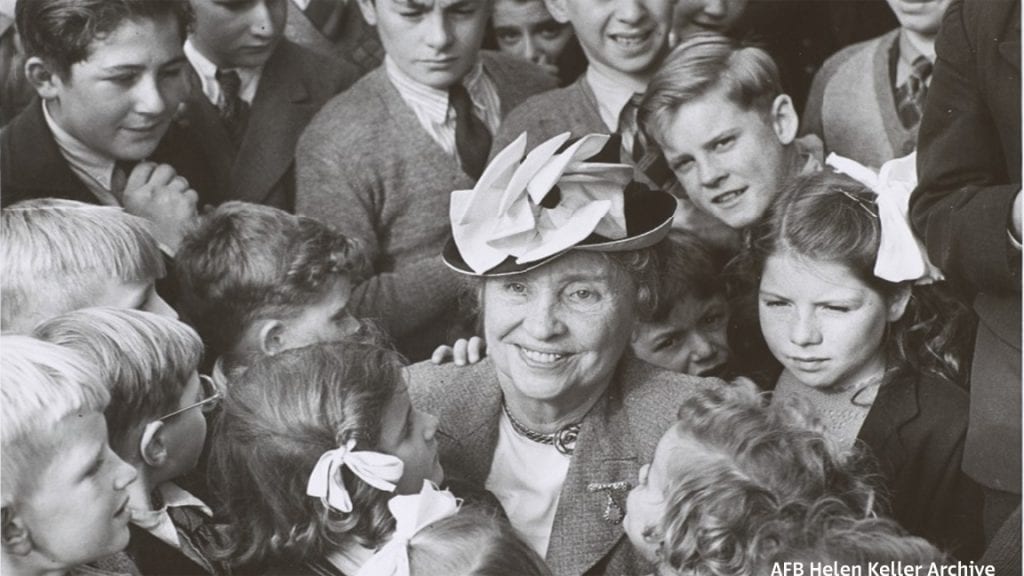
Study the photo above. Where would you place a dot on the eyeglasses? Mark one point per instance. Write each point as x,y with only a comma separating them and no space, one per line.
211,396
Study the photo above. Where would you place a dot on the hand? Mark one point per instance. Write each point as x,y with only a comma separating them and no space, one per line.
156,192
1016,216
463,352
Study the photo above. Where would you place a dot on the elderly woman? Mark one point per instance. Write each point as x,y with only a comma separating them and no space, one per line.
558,420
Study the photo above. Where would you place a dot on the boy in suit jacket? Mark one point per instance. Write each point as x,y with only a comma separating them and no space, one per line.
380,161
253,94
109,79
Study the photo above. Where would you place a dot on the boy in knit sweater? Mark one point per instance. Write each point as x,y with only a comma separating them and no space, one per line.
380,160
866,101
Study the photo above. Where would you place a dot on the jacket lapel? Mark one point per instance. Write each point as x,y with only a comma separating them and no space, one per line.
475,432
279,113
42,167
1009,47
202,121
582,534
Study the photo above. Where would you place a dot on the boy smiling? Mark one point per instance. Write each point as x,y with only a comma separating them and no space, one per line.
108,75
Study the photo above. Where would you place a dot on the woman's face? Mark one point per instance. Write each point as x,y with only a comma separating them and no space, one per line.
823,323
556,333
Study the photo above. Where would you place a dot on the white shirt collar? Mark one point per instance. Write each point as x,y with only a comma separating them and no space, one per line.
611,96
82,158
302,4
431,101
207,71
158,522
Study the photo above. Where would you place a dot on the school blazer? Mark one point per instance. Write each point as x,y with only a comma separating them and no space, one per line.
294,85
617,437
31,165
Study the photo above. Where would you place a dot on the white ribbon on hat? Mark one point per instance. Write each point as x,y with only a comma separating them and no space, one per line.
412,513
381,471
502,215
901,255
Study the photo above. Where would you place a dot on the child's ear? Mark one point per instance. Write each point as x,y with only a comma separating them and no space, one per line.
17,540
369,10
785,120
272,337
558,10
898,303
42,78
151,446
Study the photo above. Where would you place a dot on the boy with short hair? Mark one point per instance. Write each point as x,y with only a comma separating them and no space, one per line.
252,94
380,160
866,101
156,424
718,113
60,255
255,281
64,492
109,79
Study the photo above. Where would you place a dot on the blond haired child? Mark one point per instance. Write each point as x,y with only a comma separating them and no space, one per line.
64,491
156,423
61,255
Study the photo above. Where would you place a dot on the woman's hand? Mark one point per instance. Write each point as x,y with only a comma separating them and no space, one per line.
463,352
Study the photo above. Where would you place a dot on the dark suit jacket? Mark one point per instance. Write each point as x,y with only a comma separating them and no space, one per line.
261,169
618,436
31,165
915,431
346,35
969,166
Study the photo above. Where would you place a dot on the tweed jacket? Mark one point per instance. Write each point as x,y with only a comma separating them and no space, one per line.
852,104
346,36
969,165
32,166
367,167
617,437
295,83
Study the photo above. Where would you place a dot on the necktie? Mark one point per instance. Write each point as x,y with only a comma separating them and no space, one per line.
911,95
642,152
233,110
472,138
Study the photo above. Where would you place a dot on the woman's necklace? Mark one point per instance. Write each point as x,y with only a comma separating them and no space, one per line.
564,440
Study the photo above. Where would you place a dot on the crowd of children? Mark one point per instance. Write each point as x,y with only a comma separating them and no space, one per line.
221,243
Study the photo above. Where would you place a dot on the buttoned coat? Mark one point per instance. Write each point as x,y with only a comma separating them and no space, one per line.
617,437
294,85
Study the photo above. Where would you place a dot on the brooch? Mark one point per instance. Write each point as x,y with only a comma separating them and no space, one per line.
613,511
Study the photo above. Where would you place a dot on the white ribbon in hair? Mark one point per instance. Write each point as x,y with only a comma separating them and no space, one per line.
502,215
901,255
412,513
381,471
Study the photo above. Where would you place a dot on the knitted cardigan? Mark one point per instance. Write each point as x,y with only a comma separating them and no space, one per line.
366,166
852,106
570,109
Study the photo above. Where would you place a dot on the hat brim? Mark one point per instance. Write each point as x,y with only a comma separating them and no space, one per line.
648,220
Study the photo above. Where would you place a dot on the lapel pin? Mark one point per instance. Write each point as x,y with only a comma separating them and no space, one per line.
613,511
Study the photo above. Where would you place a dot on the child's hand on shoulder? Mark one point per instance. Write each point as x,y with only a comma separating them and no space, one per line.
463,352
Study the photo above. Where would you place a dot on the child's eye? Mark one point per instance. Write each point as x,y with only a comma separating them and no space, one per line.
725,143
123,79
665,344
771,303
550,30
837,308
683,165
713,319
507,36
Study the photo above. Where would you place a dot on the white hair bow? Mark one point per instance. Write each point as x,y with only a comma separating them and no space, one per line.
901,255
381,471
515,209
412,513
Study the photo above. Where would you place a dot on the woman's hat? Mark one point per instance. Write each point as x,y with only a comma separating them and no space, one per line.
528,209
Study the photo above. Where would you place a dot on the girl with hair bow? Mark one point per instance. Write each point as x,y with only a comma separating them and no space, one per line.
848,305
311,445
432,536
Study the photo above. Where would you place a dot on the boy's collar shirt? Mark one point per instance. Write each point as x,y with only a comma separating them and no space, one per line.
93,169
612,98
431,105
158,522
907,53
207,72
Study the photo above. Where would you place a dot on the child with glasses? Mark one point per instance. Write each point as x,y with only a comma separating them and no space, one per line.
156,423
